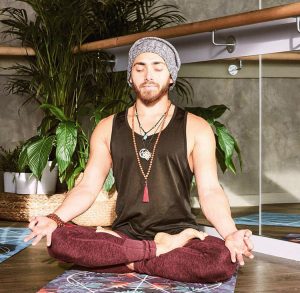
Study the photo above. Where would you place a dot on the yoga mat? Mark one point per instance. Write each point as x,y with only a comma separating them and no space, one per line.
270,219
11,241
74,281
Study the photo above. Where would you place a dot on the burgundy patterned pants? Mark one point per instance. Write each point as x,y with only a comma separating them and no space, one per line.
198,261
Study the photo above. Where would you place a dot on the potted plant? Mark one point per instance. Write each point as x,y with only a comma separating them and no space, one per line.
9,165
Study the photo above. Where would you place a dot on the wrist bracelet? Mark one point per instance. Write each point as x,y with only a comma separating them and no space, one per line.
56,219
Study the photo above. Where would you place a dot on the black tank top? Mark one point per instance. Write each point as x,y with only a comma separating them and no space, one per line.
168,209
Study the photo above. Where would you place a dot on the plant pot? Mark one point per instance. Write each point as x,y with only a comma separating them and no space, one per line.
26,183
47,184
9,182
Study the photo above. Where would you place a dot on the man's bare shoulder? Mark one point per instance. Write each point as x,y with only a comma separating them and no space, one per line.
199,131
103,129
196,124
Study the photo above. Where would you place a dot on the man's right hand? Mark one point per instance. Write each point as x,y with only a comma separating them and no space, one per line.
40,227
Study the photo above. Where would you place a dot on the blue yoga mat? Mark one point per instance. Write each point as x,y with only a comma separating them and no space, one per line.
75,281
270,219
11,241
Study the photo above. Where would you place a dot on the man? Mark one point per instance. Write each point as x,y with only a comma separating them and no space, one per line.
154,149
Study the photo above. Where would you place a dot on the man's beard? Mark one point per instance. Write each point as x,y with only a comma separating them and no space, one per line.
148,97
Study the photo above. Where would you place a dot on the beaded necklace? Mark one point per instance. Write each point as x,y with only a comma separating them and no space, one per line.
146,175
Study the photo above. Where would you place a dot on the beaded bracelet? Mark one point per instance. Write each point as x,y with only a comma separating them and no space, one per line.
56,219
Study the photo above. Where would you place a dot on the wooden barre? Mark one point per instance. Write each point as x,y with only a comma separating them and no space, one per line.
241,19
285,56
16,51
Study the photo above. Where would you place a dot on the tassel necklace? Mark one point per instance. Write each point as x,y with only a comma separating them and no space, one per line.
146,192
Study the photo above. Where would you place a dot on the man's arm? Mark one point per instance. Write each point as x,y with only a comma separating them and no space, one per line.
81,197
213,200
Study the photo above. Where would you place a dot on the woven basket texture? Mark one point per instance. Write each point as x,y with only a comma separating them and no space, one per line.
21,207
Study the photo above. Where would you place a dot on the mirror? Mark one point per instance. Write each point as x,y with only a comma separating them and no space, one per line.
280,147
237,84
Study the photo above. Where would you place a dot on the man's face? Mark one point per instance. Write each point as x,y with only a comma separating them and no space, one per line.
150,77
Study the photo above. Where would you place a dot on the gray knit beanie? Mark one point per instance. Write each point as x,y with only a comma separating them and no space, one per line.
160,47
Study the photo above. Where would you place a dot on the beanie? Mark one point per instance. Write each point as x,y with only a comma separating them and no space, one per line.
160,47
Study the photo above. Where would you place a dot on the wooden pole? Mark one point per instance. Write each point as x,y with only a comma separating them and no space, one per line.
241,19
16,51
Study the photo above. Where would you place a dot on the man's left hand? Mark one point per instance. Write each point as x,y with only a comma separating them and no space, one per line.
239,244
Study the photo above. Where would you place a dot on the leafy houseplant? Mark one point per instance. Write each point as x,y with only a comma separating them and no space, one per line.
56,79
9,159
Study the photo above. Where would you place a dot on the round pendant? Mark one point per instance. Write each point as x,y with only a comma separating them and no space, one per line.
145,154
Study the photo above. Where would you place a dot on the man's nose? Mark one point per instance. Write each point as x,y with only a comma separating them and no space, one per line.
148,74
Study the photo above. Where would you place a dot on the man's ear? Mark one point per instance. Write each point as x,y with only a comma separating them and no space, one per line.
130,80
171,80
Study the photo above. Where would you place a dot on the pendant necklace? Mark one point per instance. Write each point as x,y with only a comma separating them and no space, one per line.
146,175
145,135
144,152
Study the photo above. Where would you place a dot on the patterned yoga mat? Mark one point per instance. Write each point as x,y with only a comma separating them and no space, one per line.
271,219
11,241
75,281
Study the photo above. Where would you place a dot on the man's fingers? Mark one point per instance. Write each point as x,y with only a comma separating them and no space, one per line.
29,237
240,258
232,255
202,235
32,223
248,254
248,243
49,236
248,233
37,239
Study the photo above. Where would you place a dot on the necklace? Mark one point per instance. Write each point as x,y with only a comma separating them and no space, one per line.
140,125
144,153
146,192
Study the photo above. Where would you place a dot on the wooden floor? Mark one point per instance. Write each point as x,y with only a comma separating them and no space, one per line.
32,268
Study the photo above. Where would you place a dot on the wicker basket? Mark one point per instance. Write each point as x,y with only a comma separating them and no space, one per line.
21,207
102,212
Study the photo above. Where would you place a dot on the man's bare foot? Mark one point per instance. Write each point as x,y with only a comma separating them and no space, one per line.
130,266
166,242
103,230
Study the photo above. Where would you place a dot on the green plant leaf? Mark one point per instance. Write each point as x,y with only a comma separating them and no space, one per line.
109,181
66,140
210,113
72,177
38,154
226,143
57,112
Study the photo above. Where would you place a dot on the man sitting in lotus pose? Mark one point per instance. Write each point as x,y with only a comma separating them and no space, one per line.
154,148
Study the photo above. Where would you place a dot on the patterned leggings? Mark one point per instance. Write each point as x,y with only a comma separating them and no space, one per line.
198,261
